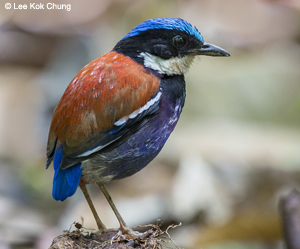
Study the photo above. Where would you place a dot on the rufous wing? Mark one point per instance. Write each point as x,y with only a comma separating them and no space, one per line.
104,91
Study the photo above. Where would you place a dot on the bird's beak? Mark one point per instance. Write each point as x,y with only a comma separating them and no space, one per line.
211,50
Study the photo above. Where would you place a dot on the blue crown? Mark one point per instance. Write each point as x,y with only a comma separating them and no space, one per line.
165,23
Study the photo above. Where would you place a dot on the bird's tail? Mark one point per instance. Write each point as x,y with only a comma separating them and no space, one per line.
65,181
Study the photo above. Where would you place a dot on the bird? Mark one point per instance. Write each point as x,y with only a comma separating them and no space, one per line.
118,112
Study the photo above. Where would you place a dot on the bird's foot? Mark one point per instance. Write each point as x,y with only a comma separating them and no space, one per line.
121,234
129,234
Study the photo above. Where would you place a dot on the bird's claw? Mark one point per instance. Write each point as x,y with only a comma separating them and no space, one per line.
129,234
122,233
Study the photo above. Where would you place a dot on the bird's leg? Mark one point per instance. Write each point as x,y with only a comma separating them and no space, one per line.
124,229
100,224
113,206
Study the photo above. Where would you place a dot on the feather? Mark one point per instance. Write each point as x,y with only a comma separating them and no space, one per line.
165,23
65,181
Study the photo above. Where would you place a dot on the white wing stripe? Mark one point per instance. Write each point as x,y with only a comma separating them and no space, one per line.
89,152
121,121
151,102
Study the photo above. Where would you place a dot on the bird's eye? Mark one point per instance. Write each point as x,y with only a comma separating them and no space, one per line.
179,41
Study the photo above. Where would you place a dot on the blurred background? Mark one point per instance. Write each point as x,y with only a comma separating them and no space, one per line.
233,154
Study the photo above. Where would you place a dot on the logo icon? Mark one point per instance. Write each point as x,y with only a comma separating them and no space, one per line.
8,6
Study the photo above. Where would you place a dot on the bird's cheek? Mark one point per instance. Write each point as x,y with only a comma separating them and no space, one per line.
162,51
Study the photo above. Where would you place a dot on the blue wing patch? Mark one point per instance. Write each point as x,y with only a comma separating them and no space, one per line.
65,181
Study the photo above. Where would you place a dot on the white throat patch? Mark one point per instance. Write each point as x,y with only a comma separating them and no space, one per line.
174,65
